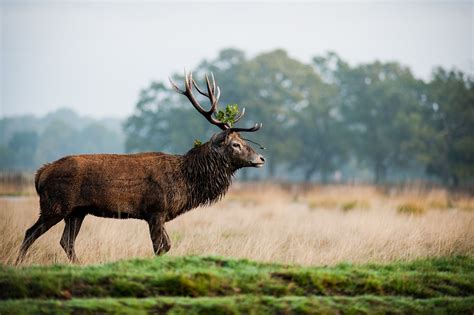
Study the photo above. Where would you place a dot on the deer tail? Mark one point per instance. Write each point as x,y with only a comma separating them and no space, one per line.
38,177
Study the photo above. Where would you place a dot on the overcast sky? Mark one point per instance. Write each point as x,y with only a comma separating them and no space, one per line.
96,56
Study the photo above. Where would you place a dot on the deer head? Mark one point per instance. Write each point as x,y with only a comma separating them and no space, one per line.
228,141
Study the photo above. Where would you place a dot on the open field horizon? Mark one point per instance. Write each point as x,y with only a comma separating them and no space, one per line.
291,224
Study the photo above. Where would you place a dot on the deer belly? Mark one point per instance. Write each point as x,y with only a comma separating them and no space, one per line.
113,200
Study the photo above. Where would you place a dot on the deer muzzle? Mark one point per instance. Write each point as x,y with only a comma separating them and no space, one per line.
259,161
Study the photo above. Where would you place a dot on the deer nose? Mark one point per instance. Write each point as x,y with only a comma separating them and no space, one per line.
258,161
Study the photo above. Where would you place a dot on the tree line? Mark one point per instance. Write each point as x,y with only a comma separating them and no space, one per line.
326,120
26,142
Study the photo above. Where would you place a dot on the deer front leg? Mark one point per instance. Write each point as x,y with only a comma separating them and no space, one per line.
159,237
73,225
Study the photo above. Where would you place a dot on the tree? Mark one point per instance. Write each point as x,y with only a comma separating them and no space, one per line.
225,69
22,146
6,158
96,138
381,104
449,150
322,133
275,85
57,140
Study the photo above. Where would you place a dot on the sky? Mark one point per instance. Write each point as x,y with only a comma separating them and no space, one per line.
95,57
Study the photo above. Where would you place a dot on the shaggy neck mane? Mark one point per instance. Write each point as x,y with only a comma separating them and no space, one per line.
208,174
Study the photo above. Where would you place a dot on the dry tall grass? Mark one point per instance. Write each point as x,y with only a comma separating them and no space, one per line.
309,226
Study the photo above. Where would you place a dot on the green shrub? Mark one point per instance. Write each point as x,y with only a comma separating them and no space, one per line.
349,205
411,208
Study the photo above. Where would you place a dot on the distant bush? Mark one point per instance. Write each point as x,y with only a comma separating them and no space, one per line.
411,208
354,204
350,205
325,203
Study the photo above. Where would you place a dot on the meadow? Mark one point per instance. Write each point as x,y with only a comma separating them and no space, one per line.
279,223
264,249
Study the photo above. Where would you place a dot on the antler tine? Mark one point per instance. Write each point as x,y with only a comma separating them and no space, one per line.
256,127
213,81
199,89
175,87
240,115
218,96
212,96
209,85
188,79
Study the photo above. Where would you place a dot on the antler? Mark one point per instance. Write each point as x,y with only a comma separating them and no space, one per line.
256,127
214,99
213,94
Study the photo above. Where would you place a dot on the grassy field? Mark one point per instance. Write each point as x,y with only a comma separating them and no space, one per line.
206,285
314,249
310,225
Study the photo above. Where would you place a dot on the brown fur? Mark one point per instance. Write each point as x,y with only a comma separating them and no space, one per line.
154,186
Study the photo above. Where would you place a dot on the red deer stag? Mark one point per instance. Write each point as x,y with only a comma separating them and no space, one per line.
155,187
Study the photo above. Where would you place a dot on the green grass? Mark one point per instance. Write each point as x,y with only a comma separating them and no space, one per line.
220,285
244,304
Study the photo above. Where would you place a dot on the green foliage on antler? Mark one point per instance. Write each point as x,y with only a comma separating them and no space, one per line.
228,115
197,143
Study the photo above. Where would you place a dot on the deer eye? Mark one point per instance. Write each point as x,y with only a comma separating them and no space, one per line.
236,145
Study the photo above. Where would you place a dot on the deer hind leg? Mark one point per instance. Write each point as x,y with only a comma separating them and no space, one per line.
41,226
73,225
159,237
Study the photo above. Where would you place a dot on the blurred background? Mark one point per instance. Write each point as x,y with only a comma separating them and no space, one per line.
348,92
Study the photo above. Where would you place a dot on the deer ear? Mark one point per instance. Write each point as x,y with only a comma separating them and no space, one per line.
219,137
